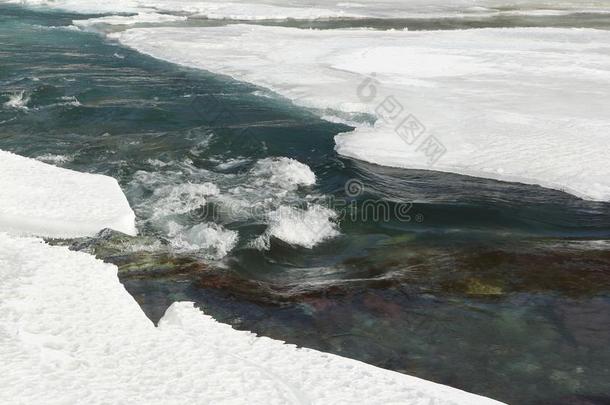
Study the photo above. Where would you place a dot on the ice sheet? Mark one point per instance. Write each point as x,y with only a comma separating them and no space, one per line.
70,333
44,200
526,105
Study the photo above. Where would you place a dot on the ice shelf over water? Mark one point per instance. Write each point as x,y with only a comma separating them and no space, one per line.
70,333
44,200
526,104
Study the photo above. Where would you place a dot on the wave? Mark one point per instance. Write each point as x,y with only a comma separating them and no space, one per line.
18,100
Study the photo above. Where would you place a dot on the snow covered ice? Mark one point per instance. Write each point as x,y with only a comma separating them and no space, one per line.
44,200
526,105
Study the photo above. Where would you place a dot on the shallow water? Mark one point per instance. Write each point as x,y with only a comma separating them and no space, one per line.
497,288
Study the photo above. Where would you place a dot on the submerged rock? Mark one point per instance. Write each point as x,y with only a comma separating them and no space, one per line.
108,243
477,287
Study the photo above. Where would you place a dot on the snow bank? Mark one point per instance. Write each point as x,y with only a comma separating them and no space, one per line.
526,105
70,333
39,199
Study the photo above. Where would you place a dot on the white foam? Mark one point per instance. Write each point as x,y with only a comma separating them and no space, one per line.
55,159
70,333
18,100
174,207
40,199
284,172
69,100
299,227
231,164
526,105
178,199
208,239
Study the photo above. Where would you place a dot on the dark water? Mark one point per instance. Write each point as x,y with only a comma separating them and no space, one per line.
500,289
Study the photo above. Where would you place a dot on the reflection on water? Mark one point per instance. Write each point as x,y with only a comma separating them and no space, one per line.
500,289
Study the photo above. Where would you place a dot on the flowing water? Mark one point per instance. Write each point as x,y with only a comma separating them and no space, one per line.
500,289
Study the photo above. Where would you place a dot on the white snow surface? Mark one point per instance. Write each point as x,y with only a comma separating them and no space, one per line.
323,9
70,333
525,104
44,200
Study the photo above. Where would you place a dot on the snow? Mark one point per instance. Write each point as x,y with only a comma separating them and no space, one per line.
70,333
316,9
141,18
40,199
525,104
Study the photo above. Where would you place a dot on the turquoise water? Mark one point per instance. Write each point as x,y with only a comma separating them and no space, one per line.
500,289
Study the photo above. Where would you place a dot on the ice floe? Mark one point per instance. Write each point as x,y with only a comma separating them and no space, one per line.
526,105
70,333
44,200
